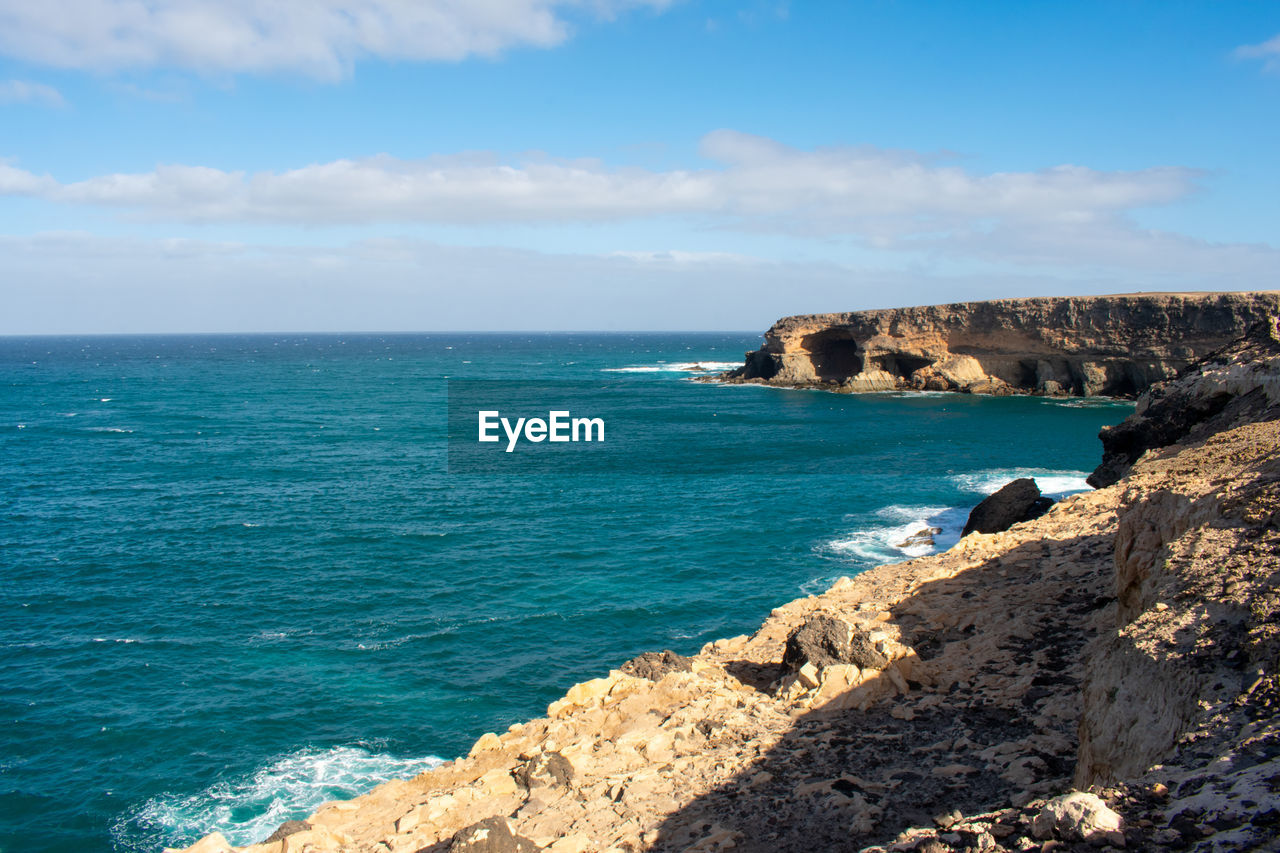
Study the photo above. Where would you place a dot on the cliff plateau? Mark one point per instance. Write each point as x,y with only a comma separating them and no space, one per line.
1082,345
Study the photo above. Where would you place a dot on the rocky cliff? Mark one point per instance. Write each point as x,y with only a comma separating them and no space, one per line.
1085,345
1105,674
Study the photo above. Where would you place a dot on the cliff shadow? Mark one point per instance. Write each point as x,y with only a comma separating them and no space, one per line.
834,353
1000,644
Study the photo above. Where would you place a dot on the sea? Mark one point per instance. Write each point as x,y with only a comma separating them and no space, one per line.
241,575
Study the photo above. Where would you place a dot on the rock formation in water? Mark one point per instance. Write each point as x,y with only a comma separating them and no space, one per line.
1105,674
1017,501
1080,345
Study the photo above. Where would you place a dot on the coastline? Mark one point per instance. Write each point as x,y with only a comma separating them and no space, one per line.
1001,674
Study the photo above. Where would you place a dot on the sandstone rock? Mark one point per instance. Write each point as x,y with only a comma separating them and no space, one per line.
311,841
808,675
491,835
498,783
1079,816
487,742
1016,501
576,843
654,665
214,842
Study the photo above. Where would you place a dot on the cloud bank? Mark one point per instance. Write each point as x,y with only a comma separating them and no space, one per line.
873,193
317,38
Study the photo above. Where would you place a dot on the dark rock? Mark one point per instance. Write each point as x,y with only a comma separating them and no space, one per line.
864,653
825,640
654,665
1016,501
546,768
491,835
289,827
920,537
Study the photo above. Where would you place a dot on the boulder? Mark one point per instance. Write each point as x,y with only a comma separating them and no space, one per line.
826,640
1017,501
1079,816
491,835
654,665
545,768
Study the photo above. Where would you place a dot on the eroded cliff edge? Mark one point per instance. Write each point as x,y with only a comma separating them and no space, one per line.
1080,345
1126,643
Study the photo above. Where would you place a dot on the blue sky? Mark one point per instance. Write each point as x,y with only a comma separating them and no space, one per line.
188,165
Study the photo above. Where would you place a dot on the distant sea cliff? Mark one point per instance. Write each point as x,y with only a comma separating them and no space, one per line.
1058,346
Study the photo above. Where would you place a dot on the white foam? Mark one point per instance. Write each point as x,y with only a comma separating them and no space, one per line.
881,539
676,367
248,809
707,366
1053,483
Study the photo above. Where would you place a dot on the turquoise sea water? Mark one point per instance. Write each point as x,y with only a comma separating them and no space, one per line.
242,575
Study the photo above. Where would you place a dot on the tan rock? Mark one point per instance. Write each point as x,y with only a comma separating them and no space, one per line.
487,743
214,842
576,843
1079,816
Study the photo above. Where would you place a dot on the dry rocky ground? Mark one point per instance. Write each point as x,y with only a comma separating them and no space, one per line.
1125,646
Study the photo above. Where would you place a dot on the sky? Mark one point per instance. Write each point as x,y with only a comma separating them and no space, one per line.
184,166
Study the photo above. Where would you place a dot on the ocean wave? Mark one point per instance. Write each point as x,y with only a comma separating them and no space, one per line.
1053,483
676,367
248,809
1085,402
885,537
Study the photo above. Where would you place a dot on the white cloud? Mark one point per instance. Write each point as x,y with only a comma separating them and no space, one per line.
319,38
882,196
24,91
1268,51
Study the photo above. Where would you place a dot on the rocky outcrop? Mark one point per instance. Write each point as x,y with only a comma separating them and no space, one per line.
1231,386
1126,642
1019,500
1085,345
654,665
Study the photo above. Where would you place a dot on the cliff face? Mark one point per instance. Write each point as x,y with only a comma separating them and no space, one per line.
1087,345
1127,641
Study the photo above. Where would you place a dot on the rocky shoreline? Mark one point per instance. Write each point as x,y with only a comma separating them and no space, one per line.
1104,674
